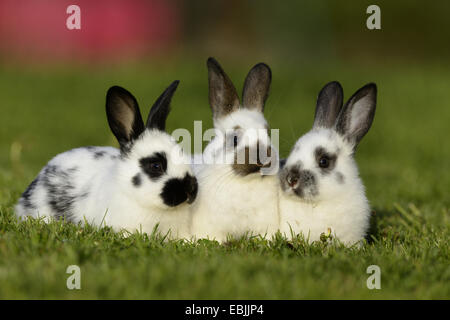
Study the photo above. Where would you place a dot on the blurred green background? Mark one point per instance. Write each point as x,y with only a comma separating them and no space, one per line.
54,102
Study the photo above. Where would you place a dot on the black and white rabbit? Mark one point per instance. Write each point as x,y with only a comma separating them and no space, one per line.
321,190
147,182
238,181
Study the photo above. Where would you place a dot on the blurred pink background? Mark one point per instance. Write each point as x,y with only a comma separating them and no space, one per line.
110,29
135,30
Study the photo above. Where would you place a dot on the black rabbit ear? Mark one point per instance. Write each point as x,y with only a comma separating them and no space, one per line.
123,115
161,108
357,115
223,97
256,87
329,103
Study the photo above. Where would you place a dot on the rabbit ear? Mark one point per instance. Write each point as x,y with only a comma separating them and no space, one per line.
256,87
223,97
357,115
161,108
329,103
123,115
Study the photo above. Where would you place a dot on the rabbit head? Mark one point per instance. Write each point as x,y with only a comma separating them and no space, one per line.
321,165
242,134
153,169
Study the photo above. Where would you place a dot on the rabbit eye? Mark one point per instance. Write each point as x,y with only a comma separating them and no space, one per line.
324,162
156,166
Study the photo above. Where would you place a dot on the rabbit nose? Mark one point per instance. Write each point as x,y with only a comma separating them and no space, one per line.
292,180
191,188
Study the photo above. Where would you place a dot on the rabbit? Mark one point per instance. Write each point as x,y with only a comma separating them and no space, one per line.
148,182
321,192
237,179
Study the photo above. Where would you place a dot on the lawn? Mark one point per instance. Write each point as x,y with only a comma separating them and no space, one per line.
403,161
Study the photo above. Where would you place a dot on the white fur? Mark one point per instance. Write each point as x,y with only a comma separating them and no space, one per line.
343,208
230,204
111,198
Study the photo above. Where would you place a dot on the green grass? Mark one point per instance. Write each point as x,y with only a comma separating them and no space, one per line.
404,162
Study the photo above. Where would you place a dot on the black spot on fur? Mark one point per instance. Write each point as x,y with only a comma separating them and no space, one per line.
340,178
319,153
177,191
26,196
96,152
99,154
148,165
136,180
60,190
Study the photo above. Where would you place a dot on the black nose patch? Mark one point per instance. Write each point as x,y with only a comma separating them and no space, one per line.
302,181
177,191
307,178
253,162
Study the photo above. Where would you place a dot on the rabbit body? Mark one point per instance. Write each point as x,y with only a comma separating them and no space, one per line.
340,207
147,183
236,197
231,204
321,191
